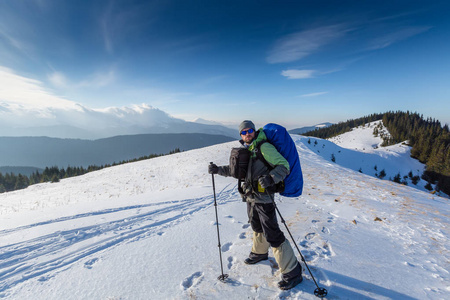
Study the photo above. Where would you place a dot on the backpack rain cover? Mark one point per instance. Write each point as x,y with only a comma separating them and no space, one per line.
278,136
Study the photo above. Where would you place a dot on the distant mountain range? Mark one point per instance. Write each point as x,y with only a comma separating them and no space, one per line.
41,152
309,128
75,135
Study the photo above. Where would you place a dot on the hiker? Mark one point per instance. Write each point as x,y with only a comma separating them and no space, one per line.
260,207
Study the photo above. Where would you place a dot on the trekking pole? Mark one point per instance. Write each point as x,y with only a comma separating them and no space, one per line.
319,292
222,277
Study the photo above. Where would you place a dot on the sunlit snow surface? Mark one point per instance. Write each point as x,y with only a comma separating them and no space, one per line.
147,230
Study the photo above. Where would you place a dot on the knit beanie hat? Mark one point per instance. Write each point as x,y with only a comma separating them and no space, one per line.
246,124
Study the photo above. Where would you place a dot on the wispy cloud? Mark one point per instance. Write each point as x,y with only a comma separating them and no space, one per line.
58,79
211,80
25,102
100,79
118,22
28,92
298,74
298,45
114,23
314,94
12,41
16,46
396,36
186,45
96,80
106,25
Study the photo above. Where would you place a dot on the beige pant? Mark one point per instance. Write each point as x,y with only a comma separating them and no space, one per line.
284,255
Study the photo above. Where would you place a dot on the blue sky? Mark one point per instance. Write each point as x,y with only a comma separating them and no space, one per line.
297,63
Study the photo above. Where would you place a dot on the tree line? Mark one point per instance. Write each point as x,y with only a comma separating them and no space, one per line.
342,127
430,141
11,182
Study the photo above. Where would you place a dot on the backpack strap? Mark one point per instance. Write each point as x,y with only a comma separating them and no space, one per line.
241,191
279,187
260,156
241,180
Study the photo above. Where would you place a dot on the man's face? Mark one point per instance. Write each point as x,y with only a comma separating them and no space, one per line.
248,137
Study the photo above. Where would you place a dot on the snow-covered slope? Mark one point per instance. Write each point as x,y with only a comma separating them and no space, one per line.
361,151
362,138
146,230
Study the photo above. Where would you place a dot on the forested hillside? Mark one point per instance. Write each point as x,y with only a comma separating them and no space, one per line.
430,141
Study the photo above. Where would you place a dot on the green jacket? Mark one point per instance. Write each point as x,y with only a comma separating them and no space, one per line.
257,168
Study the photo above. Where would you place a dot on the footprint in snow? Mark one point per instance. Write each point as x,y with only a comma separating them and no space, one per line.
304,244
409,264
245,226
191,280
226,247
231,218
325,230
42,279
327,250
90,263
242,235
309,255
230,262
309,236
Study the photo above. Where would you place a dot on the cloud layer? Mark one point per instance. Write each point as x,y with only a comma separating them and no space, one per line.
314,94
395,36
25,103
298,74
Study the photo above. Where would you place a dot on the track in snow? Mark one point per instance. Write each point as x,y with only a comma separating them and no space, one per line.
40,257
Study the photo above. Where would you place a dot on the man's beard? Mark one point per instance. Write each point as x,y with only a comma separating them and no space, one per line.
249,141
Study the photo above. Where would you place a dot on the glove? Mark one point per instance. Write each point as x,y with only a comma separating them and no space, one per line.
266,181
213,169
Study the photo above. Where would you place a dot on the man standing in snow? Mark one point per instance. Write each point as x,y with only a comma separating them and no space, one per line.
260,207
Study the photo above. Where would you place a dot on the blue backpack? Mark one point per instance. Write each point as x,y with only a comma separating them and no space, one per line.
278,136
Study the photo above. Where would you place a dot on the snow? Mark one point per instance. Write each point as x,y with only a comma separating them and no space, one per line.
361,138
147,230
361,151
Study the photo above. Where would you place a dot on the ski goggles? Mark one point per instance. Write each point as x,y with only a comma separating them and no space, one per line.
244,132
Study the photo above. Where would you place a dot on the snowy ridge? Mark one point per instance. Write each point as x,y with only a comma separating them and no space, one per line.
361,151
362,138
146,230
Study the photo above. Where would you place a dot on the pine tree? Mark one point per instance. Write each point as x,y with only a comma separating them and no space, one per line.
55,178
21,182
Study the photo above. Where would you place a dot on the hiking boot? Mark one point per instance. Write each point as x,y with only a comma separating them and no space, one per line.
254,260
287,285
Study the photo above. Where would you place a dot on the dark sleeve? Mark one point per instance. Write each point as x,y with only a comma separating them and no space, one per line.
224,171
279,173
276,160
